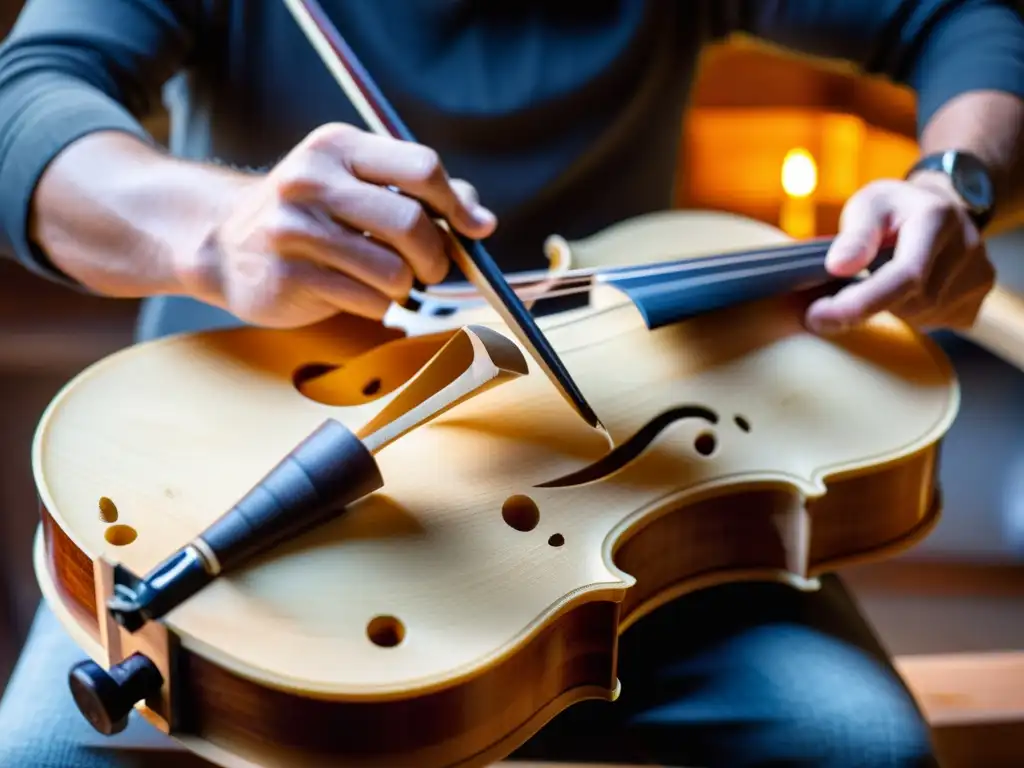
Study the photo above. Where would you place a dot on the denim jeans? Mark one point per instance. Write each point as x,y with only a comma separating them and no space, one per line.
747,675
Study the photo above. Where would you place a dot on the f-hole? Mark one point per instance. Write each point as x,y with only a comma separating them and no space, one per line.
632,448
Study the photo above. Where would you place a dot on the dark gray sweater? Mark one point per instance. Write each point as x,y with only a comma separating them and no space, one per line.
565,115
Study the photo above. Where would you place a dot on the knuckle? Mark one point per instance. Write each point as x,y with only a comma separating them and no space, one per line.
877,188
281,226
465,191
426,164
868,206
399,277
410,220
298,178
940,215
331,136
875,195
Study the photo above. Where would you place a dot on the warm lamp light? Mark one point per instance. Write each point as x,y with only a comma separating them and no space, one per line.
799,180
799,173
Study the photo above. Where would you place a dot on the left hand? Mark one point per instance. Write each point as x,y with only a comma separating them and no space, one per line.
939,274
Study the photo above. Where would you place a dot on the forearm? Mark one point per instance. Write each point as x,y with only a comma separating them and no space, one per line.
121,218
988,124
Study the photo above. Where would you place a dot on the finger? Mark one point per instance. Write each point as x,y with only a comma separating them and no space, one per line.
338,290
417,171
905,275
393,219
864,225
413,168
469,196
331,244
856,303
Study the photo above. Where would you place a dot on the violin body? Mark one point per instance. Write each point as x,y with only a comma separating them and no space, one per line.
442,620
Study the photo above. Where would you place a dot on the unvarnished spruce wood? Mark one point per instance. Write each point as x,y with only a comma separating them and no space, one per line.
813,453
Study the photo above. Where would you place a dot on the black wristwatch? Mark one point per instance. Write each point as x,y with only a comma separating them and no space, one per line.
971,181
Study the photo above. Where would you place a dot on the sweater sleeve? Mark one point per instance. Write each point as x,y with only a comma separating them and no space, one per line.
939,48
70,68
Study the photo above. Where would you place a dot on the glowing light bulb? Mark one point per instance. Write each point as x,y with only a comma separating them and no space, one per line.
799,173
798,214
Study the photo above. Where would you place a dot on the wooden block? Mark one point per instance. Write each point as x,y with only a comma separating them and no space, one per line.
967,688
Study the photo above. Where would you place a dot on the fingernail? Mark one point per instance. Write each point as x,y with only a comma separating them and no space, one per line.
843,258
482,216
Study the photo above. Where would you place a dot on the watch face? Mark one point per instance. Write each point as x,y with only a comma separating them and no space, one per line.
970,179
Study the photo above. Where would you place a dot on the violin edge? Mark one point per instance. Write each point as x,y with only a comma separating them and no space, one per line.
573,659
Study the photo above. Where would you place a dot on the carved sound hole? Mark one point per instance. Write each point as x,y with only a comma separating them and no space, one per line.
704,445
120,535
385,631
108,510
706,442
369,375
311,371
520,513
117,534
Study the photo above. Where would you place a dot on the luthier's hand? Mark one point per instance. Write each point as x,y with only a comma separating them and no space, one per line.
323,233
939,274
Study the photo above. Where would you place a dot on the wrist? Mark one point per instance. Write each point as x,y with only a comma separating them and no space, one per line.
961,178
941,184
190,239
116,215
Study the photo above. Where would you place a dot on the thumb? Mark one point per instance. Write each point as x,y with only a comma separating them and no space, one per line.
482,222
863,228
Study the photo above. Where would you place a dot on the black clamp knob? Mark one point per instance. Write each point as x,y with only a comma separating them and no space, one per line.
106,698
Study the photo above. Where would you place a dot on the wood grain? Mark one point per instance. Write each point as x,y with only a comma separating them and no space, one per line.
510,617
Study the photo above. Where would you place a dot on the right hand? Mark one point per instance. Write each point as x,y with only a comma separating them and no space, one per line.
292,251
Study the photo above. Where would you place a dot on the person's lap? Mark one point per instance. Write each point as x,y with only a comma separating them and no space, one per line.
739,675
748,675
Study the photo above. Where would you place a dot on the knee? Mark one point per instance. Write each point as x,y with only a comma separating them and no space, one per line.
815,700
889,733
842,708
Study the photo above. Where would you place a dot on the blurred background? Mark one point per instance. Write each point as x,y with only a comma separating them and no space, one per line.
770,136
